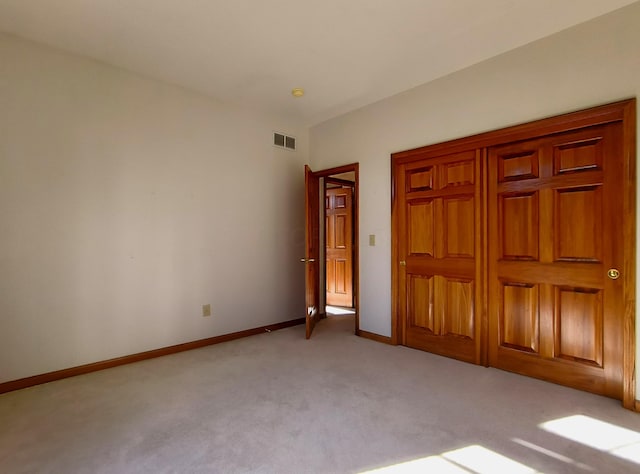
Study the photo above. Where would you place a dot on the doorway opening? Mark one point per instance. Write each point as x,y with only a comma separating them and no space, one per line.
337,244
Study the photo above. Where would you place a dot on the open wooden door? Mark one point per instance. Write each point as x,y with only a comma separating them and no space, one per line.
312,251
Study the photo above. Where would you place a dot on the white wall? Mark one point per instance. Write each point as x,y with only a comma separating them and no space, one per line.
591,64
126,204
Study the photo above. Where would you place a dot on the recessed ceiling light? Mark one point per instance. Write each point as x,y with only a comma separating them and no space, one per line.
297,92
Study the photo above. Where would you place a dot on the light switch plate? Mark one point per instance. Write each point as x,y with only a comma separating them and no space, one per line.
372,240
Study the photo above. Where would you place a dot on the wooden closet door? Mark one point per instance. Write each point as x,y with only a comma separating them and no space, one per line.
555,231
439,249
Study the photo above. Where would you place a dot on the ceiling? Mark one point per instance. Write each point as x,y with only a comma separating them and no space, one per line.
344,53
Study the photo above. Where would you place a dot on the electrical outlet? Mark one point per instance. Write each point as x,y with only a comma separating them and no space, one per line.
206,310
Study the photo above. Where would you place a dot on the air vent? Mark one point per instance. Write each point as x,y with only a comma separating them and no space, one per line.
284,141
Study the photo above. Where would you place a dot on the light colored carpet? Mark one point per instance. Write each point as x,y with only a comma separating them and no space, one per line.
276,403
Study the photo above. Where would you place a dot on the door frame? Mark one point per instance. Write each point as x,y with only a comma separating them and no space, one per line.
356,232
623,111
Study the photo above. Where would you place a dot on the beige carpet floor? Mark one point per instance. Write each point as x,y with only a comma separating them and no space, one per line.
276,403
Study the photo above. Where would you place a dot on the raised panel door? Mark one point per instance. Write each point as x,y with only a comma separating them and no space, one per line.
339,246
554,230
440,281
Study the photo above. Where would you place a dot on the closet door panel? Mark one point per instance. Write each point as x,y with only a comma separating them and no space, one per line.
578,213
459,311
578,322
420,296
421,227
520,317
518,220
458,220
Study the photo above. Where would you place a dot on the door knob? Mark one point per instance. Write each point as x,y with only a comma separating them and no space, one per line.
613,273
403,263
303,260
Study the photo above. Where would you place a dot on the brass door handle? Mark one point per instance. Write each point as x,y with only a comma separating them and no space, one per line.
613,273
403,263
310,260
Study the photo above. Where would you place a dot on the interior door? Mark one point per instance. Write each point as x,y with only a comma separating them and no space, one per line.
555,246
439,271
339,247
312,251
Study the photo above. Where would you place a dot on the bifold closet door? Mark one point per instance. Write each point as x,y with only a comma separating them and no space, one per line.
439,229
555,253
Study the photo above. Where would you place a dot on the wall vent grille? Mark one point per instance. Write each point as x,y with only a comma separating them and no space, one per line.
284,141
